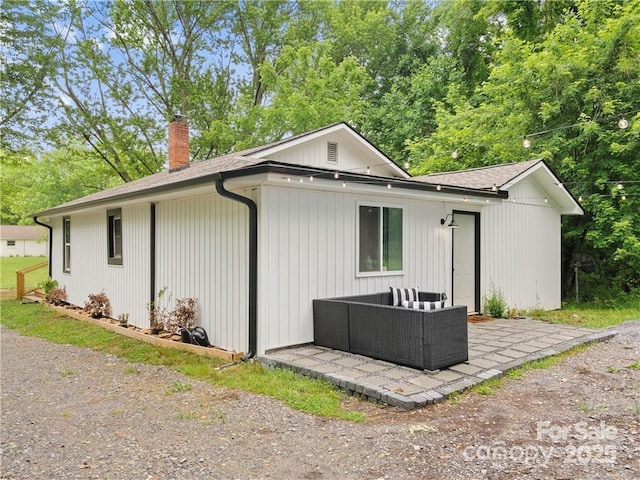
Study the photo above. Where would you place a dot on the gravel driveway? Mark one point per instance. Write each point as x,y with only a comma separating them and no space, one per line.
69,412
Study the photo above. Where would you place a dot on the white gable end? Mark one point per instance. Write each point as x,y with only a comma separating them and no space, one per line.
337,147
540,186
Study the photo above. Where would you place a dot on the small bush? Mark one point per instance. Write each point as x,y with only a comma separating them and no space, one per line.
495,304
47,285
57,295
184,315
98,305
159,313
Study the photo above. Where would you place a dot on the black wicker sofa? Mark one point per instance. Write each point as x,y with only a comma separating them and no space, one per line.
369,325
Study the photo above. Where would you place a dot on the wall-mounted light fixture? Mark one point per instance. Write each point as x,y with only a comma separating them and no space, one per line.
452,223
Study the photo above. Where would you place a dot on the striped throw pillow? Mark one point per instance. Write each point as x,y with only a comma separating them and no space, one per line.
423,305
403,295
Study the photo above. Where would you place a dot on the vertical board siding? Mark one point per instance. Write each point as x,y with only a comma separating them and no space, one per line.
521,249
314,154
308,250
202,247
127,286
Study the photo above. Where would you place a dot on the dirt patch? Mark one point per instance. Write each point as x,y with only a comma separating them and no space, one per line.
74,413
479,319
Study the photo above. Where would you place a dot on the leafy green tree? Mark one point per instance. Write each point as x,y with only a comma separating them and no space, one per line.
571,86
311,90
29,50
30,183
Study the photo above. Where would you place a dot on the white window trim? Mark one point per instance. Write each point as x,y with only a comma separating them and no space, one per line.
394,273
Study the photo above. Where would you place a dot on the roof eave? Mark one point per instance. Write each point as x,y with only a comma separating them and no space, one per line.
320,173
62,209
271,167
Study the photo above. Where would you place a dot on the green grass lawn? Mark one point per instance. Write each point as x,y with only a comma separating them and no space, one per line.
10,265
592,315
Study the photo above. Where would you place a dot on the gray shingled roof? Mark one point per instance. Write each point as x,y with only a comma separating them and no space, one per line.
483,178
21,232
475,179
206,168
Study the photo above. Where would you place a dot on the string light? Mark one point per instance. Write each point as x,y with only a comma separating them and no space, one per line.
617,185
623,123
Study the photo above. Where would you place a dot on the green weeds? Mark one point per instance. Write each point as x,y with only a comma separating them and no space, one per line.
178,387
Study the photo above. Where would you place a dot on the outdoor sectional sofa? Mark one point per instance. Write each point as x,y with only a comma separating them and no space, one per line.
369,325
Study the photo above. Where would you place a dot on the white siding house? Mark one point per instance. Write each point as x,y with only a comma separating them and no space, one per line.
23,241
255,236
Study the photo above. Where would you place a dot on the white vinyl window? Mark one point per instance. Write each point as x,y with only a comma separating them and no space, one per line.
379,239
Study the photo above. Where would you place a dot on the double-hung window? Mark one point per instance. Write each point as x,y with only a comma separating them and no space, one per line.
379,239
66,245
114,241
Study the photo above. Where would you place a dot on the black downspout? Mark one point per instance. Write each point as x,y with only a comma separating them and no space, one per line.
50,228
253,264
152,254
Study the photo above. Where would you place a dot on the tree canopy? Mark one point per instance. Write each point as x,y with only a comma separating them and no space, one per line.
89,87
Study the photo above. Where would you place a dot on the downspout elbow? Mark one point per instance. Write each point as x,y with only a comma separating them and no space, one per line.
253,264
50,228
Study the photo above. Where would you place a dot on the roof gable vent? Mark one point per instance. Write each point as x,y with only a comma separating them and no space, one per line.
332,152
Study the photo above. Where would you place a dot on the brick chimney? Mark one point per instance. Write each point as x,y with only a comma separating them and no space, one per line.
178,143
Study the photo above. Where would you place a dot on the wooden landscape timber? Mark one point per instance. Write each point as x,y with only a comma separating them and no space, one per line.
136,334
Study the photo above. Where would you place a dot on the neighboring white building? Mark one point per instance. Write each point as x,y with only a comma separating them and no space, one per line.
258,234
23,241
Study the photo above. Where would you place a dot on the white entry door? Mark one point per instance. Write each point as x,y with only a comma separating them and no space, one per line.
465,251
